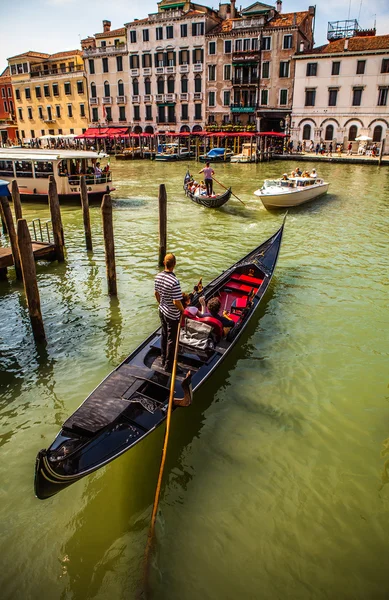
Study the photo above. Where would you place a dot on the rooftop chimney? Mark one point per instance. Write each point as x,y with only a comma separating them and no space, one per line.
106,26
312,10
302,47
346,44
233,10
279,6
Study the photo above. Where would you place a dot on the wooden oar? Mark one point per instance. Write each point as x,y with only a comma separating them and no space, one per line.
223,186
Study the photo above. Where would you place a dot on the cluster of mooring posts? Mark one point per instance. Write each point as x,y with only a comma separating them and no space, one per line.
23,251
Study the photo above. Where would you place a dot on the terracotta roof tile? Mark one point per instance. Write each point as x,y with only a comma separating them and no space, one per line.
30,54
287,19
66,54
355,44
113,32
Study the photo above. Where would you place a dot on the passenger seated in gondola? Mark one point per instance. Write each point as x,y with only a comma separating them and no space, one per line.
212,308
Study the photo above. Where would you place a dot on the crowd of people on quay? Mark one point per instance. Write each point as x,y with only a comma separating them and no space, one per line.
323,148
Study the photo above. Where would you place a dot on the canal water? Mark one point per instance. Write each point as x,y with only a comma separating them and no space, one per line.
275,483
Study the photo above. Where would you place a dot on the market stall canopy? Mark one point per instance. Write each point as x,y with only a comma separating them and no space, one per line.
103,132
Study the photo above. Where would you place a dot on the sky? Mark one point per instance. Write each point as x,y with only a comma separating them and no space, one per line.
58,25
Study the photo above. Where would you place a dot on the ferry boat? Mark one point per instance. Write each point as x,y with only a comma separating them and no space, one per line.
292,191
32,169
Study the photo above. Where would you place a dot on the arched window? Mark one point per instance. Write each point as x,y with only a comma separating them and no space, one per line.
377,133
135,87
160,85
107,89
329,135
198,83
352,133
147,85
197,128
170,85
120,88
307,132
184,84
93,90
149,129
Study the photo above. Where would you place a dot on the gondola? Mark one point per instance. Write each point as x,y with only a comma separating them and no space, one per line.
132,400
207,201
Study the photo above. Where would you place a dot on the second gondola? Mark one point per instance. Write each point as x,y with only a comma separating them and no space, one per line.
207,201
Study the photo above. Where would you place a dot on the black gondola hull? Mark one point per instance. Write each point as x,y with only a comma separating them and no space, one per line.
207,201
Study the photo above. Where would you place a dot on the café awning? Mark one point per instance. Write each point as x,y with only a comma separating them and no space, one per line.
103,132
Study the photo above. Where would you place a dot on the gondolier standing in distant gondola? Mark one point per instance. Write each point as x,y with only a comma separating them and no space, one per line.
208,173
169,297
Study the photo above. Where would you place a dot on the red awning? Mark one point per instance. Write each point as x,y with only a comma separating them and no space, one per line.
103,132
272,134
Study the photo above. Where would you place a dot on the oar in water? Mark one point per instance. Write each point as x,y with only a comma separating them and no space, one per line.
186,401
223,186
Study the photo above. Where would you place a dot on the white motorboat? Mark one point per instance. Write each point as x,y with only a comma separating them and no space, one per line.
247,155
293,191
32,168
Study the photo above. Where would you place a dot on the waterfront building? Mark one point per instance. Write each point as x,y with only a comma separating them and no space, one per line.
107,70
250,71
341,91
8,125
50,93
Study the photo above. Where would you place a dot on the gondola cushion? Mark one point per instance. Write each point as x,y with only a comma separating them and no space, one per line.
247,279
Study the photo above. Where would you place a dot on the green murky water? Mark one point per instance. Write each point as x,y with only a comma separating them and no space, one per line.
275,480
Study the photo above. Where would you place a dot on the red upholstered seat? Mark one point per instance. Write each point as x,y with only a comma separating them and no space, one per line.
247,279
240,302
234,317
215,323
235,285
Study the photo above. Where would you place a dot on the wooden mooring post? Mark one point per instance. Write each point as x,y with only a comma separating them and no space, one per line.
162,205
56,220
16,200
3,223
12,234
109,243
29,280
85,213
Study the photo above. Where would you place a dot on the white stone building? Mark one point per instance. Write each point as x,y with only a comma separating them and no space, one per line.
341,91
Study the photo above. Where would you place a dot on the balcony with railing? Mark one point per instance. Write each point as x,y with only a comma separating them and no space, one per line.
170,97
146,71
198,67
121,99
41,71
170,70
184,96
198,96
107,100
135,99
134,72
148,98
93,101
105,50
183,68
249,80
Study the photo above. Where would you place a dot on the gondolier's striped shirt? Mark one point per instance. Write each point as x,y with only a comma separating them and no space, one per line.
168,287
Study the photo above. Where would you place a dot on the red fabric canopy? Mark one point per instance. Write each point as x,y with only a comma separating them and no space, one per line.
103,132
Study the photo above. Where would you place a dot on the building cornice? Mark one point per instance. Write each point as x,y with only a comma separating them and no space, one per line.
307,56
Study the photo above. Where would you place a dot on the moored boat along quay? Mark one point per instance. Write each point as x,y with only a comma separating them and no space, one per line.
299,404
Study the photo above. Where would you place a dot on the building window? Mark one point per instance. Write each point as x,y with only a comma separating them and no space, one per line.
93,90
95,114
212,73
197,29
184,30
134,61
198,55
107,89
108,114
238,45
70,110
160,85
159,33
55,89
23,134
120,88
27,93
332,97
58,112
352,133
266,43
149,115
383,96
184,112
198,83
105,65
119,63
329,133
283,97
254,43
80,87
183,57
135,87
184,85
5,104
171,116
335,68
17,94
265,70
146,61
40,112
357,96
227,46
361,64
311,69
284,68
29,112
46,91
91,66
377,133
67,89
211,98
264,97
385,65
246,44
20,112
148,85
170,85
32,133
310,97
122,113
307,132
9,92
49,114
136,113
288,41
133,36
169,32
212,48
227,72
82,110
145,34
226,98
198,111
38,93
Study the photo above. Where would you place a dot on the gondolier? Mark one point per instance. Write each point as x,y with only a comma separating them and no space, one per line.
208,172
169,297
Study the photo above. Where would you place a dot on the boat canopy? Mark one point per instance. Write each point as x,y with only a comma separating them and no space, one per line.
46,154
216,152
4,191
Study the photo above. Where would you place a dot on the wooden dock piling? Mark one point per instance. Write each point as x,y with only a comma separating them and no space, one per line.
56,219
16,200
162,204
29,279
12,234
85,213
3,223
109,243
